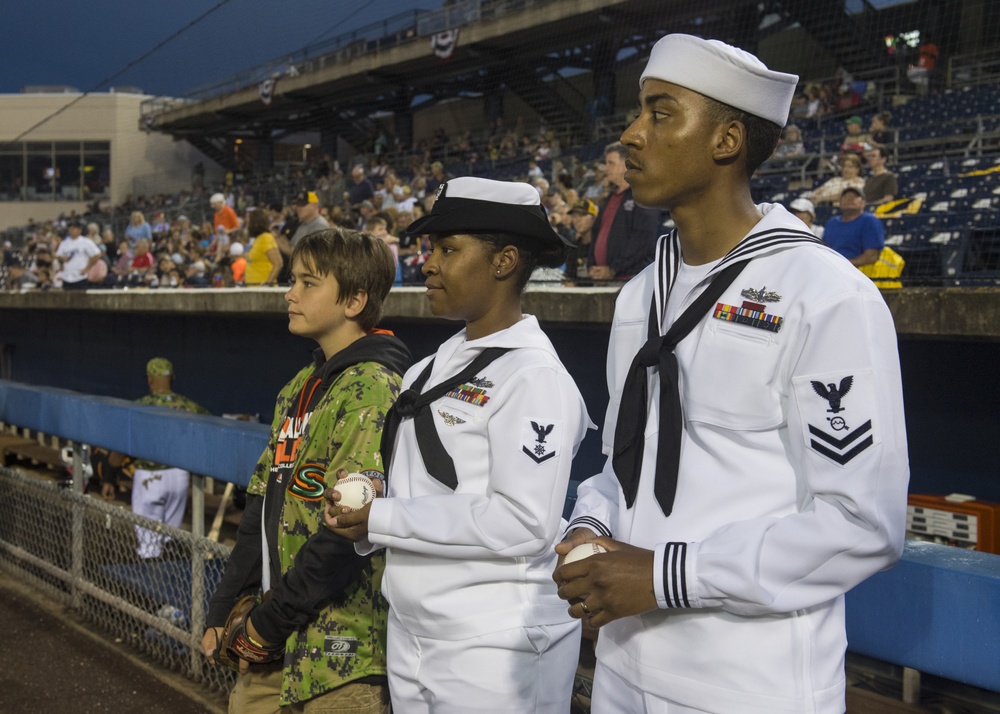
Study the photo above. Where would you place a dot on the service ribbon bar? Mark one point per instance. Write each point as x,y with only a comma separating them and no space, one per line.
470,394
748,316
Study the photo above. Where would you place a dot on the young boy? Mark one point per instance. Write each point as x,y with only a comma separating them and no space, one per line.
324,615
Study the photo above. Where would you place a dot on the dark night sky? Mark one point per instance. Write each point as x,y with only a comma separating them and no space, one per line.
81,44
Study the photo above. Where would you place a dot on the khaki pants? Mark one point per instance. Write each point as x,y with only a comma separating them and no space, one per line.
257,693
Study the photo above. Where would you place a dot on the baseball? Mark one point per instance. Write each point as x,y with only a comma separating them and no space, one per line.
356,491
583,551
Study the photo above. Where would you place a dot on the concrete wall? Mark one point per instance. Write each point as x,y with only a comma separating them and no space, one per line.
233,352
135,155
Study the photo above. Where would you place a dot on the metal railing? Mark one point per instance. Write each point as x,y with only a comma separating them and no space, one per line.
82,552
934,612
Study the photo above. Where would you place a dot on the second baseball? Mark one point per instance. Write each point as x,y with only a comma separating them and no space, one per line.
356,491
583,551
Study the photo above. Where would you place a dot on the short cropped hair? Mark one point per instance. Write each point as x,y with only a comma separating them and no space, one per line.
616,147
359,262
761,135
377,220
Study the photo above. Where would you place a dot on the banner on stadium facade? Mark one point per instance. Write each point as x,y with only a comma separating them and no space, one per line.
444,43
265,90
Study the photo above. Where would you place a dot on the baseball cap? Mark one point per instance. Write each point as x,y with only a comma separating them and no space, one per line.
303,198
217,198
159,367
584,206
803,205
854,120
851,189
236,250
724,73
477,205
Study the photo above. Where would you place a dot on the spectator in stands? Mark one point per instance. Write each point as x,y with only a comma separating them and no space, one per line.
856,141
438,176
855,234
77,255
219,247
878,129
564,185
197,271
815,108
324,612
881,185
160,225
237,261
405,201
138,228
366,209
927,56
850,176
123,265
110,246
790,144
225,217
582,216
15,277
308,220
378,226
94,233
361,189
625,233
803,209
160,492
264,260
143,264
98,274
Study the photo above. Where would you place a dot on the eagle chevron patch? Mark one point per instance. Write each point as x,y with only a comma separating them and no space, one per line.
838,414
539,438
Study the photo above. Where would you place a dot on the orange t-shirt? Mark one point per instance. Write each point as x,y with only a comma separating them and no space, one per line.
226,217
238,267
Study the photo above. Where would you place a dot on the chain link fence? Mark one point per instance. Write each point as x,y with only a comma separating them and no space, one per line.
82,552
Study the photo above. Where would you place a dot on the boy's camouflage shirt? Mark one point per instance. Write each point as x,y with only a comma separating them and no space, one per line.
346,641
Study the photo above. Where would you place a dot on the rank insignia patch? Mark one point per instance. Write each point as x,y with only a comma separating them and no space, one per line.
837,414
470,393
539,439
750,314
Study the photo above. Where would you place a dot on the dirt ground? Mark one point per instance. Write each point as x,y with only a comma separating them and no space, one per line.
51,662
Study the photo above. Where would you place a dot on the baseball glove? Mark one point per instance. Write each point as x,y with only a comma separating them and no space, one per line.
236,642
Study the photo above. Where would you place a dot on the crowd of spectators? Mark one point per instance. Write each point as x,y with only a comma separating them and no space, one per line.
242,234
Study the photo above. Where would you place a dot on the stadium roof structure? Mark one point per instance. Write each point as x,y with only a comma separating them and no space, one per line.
516,46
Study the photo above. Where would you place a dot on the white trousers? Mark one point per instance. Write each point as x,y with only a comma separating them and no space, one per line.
521,670
614,695
162,496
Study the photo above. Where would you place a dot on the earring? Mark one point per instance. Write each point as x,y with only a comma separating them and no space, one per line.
498,271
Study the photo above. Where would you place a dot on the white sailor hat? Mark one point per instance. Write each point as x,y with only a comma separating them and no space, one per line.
477,205
724,73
